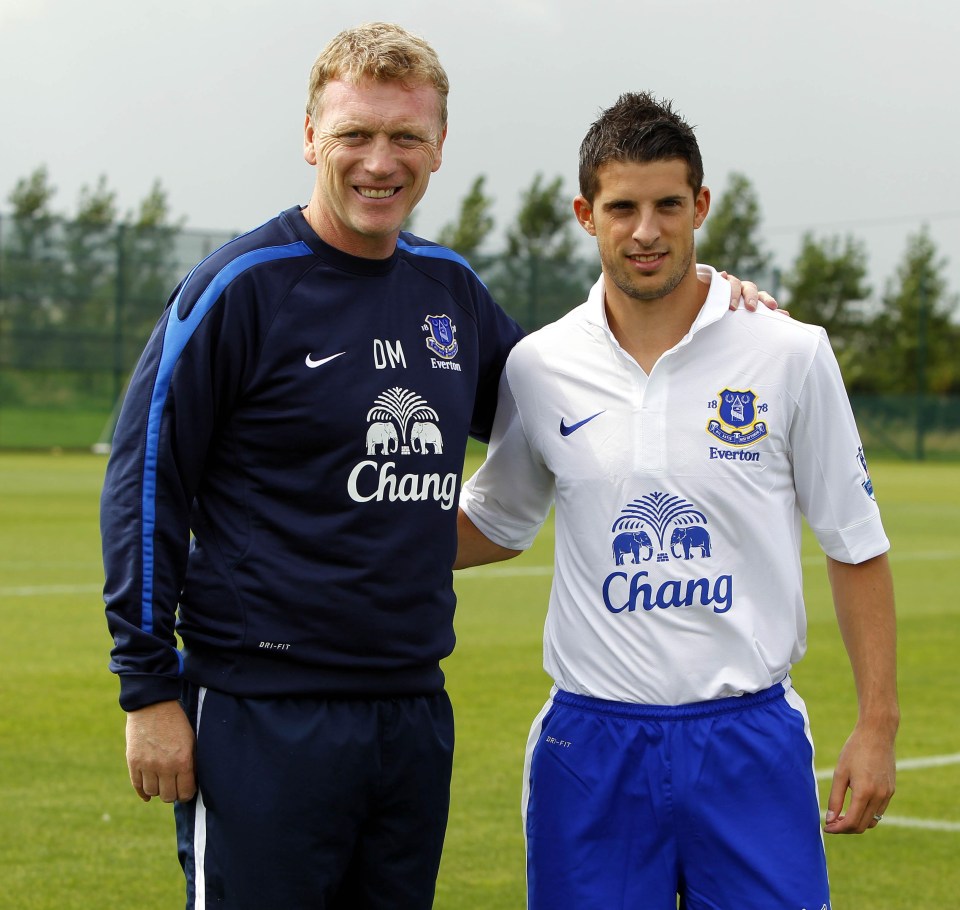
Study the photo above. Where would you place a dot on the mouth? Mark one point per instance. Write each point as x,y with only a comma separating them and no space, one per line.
371,192
647,261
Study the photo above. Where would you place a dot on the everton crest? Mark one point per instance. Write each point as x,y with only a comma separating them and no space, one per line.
738,424
442,340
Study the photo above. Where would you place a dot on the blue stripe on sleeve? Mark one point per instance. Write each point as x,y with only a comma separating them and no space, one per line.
176,336
436,252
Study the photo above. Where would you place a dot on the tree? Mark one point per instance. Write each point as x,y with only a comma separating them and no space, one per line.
826,284
915,344
30,266
729,239
90,247
31,196
146,275
467,234
540,277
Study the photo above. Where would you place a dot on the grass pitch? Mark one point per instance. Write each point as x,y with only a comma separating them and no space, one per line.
73,835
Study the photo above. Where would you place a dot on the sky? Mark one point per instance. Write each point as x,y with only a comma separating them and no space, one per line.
843,114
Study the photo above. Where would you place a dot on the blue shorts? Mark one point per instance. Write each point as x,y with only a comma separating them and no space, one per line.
327,804
629,806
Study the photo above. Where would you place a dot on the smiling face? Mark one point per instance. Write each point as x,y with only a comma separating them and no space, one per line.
643,215
374,145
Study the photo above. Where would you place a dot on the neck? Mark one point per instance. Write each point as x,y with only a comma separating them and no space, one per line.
646,329
345,240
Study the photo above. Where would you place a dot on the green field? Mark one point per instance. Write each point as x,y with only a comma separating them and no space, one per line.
73,835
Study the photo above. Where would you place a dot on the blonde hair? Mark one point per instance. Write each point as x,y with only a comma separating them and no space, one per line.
381,51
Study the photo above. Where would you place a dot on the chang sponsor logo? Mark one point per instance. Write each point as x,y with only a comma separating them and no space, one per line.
662,527
626,593
401,423
372,481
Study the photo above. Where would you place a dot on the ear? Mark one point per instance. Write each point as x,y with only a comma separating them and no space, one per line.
309,150
701,205
438,155
584,212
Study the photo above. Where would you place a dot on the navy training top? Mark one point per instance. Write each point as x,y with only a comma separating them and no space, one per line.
286,469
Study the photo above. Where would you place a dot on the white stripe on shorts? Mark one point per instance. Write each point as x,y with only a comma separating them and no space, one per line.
199,833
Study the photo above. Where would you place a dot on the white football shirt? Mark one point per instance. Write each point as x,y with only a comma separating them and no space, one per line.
678,496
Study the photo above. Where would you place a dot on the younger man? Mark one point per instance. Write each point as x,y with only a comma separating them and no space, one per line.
682,443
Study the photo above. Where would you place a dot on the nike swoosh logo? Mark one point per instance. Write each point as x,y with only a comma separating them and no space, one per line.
567,430
313,364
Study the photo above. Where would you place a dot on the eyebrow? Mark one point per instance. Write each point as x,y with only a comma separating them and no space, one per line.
627,200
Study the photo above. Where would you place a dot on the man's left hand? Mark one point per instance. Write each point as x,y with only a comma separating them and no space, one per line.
748,292
866,772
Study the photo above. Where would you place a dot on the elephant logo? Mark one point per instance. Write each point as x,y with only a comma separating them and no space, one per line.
382,434
689,538
647,523
631,542
426,434
401,421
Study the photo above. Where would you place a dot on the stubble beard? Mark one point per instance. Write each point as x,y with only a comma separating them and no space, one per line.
639,293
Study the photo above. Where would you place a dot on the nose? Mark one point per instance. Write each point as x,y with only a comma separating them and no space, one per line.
380,159
647,229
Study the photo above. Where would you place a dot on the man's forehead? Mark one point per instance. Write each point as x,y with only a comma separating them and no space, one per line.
387,100
665,177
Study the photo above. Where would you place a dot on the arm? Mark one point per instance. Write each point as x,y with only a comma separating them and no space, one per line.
474,548
154,469
863,598
160,740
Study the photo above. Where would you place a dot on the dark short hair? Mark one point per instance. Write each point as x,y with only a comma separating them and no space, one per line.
638,128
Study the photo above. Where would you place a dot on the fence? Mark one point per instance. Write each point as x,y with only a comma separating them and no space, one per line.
78,301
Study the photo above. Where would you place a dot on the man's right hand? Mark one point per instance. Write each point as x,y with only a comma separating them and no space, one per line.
160,745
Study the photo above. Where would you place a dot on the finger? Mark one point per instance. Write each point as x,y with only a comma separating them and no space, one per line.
750,294
168,788
186,786
876,812
838,791
735,286
768,301
149,786
856,820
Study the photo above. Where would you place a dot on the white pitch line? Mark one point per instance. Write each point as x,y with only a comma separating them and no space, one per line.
40,590
926,824
908,764
931,761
